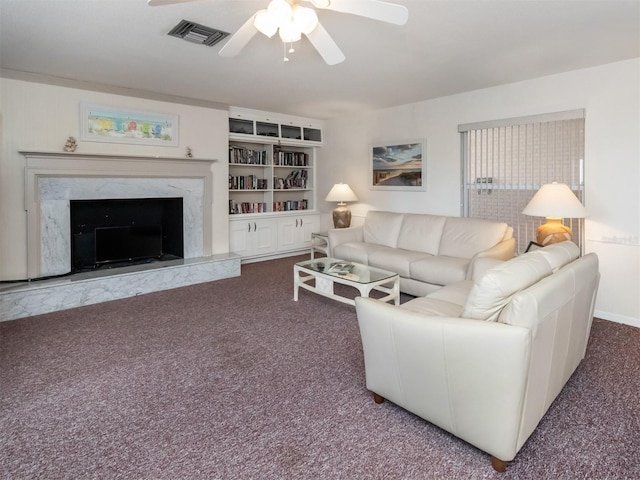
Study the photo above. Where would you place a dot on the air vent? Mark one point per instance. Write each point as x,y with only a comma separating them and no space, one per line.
196,33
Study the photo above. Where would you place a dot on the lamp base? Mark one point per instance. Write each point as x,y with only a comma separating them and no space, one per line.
554,231
341,217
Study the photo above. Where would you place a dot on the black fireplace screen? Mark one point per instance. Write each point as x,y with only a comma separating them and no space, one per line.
120,232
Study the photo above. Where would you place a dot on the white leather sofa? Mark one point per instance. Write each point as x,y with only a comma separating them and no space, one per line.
485,358
427,251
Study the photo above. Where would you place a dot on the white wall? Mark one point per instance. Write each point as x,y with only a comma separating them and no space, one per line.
40,117
611,96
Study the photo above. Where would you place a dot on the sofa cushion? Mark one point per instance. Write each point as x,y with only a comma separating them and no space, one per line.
421,233
439,270
394,259
559,254
455,293
382,228
464,237
495,288
482,265
433,307
355,251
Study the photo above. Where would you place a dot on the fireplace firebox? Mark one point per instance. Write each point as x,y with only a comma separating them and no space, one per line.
119,232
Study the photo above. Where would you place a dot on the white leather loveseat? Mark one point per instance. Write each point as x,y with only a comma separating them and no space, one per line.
427,251
485,358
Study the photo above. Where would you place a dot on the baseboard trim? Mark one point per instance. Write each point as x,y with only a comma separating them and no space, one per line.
275,256
614,317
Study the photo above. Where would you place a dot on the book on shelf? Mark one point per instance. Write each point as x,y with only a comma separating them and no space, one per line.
290,205
295,179
236,208
283,158
247,182
246,156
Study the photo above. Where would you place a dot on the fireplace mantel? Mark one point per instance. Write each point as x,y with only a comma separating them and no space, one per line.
42,166
103,156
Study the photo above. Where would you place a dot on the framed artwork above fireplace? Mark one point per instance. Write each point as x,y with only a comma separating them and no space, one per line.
100,123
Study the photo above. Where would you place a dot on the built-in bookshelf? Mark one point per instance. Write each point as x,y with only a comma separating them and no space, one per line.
268,178
272,199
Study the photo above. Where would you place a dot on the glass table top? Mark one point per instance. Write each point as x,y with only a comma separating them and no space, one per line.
355,272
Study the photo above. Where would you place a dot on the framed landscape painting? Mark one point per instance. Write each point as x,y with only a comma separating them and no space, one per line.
117,125
398,166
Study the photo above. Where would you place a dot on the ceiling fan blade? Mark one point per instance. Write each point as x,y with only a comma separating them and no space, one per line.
158,3
238,40
375,9
326,47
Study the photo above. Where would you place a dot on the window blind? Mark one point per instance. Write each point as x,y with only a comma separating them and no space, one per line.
506,161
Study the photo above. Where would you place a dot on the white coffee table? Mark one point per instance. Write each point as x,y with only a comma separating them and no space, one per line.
361,277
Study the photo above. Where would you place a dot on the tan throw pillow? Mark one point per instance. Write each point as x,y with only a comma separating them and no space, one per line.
495,288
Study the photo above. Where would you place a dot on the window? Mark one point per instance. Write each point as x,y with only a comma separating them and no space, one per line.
506,161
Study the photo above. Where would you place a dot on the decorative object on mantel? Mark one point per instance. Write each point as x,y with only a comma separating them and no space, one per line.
119,125
398,166
189,153
70,145
341,193
554,201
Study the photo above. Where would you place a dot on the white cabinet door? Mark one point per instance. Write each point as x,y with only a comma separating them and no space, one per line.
252,237
288,233
264,236
294,233
309,224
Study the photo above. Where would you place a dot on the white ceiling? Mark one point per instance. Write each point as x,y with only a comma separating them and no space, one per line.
447,47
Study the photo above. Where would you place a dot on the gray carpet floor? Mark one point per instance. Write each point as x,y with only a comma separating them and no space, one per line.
233,380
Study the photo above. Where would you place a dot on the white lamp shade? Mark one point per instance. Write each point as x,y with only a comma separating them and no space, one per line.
280,11
341,192
265,23
305,19
555,200
292,21
290,33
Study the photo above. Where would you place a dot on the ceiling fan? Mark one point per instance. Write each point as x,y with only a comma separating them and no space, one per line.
292,20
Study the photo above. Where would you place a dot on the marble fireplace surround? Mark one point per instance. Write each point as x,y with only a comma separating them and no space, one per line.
52,179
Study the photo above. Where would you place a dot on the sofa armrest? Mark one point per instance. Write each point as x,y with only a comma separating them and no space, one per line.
503,251
466,376
338,236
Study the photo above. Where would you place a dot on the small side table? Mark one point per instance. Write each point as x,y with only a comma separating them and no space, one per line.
319,243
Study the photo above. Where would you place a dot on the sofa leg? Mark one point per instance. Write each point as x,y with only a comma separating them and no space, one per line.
498,465
377,398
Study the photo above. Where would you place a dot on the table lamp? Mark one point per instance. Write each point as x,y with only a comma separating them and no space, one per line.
341,193
554,201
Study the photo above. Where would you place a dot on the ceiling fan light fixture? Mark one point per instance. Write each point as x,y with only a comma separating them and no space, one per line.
290,33
265,23
280,11
279,15
305,19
